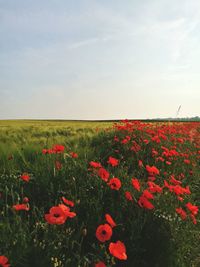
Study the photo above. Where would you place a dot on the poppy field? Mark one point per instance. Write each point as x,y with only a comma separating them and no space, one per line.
99,194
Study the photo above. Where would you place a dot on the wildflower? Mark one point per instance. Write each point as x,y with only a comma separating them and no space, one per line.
153,188
182,213
67,211
192,208
186,161
74,155
25,177
115,183
104,232
147,194
4,261
136,184
113,161
104,175
18,207
194,220
95,164
58,149
56,216
110,220
128,196
152,170
145,203
59,214
68,202
118,250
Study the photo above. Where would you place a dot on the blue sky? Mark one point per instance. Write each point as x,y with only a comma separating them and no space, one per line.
97,59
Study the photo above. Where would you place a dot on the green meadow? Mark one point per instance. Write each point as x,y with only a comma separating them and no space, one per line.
59,181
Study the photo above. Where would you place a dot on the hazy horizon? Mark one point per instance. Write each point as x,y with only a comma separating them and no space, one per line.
99,60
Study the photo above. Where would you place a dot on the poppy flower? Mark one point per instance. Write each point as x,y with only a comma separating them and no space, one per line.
95,164
147,194
58,148
182,213
186,161
194,220
128,196
153,188
118,250
56,215
136,184
103,174
100,264
68,202
113,161
59,214
110,220
115,183
192,208
104,232
145,203
4,261
25,177
152,170
67,211
74,155
18,207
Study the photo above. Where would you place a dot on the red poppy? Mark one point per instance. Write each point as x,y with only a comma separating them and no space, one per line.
153,188
103,232
192,208
115,183
56,216
59,214
95,164
152,170
194,220
110,220
118,250
147,194
136,184
25,177
58,148
182,213
68,202
113,161
145,203
100,264
4,261
186,161
74,155
67,211
103,174
128,196
18,207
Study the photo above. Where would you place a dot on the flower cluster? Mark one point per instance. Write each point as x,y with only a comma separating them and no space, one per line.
104,233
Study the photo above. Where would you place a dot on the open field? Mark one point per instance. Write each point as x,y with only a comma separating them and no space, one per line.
60,181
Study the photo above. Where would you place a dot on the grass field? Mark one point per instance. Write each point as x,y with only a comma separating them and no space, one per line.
83,194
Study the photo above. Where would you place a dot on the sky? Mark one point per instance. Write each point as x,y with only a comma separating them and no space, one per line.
99,59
